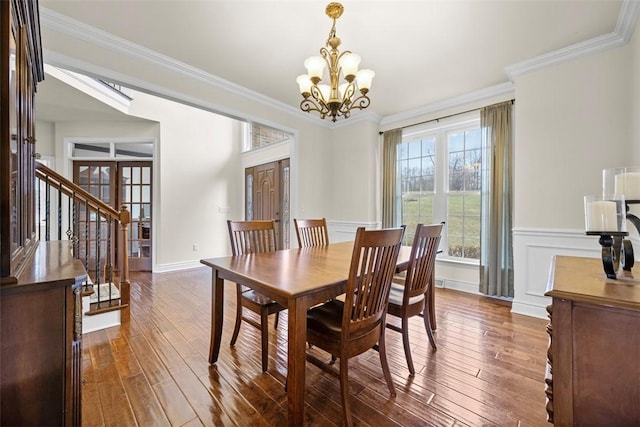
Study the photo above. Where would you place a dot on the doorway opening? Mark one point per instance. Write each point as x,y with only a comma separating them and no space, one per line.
121,173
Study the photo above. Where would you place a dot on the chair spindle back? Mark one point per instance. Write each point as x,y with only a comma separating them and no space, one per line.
373,265
311,232
249,237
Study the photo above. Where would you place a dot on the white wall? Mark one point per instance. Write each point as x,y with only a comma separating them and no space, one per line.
572,120
634,47
197,156
353,173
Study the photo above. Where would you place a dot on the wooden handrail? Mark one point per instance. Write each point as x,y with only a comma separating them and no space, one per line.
73,190
80,195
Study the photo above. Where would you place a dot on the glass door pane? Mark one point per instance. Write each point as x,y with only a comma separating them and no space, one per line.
136,193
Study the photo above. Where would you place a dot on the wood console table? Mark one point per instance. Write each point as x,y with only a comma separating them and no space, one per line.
41,336
593,369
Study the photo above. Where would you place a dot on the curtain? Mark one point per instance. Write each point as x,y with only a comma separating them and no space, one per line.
389,162
496,252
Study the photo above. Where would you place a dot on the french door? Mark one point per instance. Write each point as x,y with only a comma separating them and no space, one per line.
121,183
268,197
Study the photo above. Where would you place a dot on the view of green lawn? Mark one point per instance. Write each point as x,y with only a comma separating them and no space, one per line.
462,227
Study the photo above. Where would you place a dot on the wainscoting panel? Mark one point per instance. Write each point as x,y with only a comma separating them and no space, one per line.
342,231
533,250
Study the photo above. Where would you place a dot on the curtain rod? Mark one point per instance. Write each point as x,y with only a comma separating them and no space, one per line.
441,118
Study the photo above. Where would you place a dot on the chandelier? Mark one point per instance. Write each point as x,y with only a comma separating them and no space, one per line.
335,99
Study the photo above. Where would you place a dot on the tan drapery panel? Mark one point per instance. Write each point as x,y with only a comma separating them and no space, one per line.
389,162
496,252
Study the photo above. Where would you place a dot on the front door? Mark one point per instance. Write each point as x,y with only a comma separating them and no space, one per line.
267,196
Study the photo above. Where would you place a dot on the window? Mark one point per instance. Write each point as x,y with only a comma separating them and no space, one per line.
257,136
438,173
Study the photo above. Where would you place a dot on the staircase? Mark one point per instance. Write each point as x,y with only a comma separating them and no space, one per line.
99,236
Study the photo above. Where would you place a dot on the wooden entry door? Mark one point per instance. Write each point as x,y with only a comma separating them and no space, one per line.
267,196
118,183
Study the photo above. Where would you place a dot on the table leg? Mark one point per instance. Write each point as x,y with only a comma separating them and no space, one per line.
296,362
217,297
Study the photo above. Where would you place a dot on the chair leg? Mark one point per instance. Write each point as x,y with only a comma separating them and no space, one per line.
344,392
275,323
264,329
427,326
407,348
382,351
236,328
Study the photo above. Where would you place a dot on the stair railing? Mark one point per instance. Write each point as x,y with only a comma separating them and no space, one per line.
92,226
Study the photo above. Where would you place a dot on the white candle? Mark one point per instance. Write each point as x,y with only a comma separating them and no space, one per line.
628,183
602,216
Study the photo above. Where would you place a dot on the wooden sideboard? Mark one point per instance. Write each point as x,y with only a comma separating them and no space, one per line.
41,340
593,363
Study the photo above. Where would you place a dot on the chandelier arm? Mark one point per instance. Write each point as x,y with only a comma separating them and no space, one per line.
348,94
308,105
319,100
360,102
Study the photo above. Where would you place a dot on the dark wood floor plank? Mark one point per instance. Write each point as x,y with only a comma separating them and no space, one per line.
208,408
152,366
114,402
153,369
174,403
146,407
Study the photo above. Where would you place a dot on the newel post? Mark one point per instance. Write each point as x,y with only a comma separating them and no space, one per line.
125,220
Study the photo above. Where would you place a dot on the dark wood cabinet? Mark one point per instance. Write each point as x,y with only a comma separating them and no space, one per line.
40,302
593,372
41,340
21,69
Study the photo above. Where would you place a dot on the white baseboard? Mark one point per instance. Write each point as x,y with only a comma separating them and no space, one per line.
165,268
470,288
529,310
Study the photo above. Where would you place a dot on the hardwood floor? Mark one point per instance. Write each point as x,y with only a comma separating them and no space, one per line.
153,370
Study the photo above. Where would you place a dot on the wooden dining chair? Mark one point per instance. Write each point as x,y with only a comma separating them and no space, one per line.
249,237
347,329
311,232
408,296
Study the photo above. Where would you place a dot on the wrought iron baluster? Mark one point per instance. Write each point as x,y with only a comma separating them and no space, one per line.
70,217
47,228
59,211
97,236
108,258
86,236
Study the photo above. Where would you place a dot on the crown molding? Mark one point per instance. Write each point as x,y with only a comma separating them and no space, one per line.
94,36
628,19
462,101
625,26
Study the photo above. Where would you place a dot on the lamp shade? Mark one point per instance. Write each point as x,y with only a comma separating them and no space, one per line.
304,82
315,66
364,78
349,64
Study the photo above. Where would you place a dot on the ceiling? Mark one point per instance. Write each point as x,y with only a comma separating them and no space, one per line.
423,52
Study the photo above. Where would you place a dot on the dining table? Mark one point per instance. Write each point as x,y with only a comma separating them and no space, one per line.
297,279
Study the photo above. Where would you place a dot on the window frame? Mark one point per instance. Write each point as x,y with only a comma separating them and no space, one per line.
440,130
